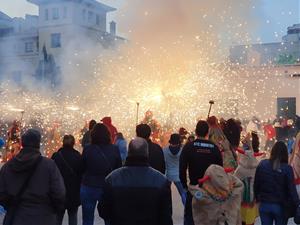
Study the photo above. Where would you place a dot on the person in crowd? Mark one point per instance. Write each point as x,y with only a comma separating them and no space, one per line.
156,155
13,144
196,157
69,162
253,125
191,138
2,144
233,133
295,162
99,159
274,187
297,123
246,173
32,189
172,155
270,135
255,142
137,194
86,139
217,136
291,134
217,198
112,129
183,134
154,126
122,145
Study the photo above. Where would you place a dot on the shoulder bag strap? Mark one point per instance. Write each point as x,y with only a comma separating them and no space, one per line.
66,163
105,158
9,218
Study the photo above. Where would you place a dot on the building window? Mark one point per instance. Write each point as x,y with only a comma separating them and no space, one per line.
97,20
90,17
84,14
46,14
65,12
55,40
29,47
55,13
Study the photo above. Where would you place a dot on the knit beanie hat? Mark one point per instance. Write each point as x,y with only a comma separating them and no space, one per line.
31,138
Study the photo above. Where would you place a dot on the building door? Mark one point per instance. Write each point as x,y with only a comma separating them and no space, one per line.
286,108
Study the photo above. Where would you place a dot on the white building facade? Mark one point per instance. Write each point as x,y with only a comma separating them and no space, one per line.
60,23
278,66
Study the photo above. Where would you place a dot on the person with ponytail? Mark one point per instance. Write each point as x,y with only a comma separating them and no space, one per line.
274,187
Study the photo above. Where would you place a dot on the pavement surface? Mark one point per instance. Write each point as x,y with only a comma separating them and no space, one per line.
177,212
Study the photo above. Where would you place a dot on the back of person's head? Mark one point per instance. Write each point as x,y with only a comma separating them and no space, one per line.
175,139
212,121
92,123
119,136
232,132
138,148
191,138
279,155
100,135
68,141
255,141
143,131
202,128
31,139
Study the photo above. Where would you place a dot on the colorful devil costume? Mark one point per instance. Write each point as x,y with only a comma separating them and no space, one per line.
246,173
218,200
154,125
217,136
13,144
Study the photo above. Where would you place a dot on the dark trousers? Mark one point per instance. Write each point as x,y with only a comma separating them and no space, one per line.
188,211
90,196
270,212
72,214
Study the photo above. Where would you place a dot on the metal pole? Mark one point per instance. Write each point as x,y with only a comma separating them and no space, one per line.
137,112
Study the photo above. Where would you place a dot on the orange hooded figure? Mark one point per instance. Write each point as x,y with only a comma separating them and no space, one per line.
112,129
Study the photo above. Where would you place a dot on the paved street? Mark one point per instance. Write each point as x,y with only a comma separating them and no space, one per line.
177,211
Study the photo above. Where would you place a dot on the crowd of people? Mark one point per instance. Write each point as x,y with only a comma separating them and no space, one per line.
221,175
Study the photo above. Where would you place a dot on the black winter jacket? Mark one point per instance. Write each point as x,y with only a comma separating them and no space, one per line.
69,163
275,186
156,157
44,194
137,195
98,162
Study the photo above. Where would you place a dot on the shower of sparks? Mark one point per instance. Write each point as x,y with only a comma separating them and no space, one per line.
175,81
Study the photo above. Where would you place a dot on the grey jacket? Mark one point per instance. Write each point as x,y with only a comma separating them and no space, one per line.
172,163
45,192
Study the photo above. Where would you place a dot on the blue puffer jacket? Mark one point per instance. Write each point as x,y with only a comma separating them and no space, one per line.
275,186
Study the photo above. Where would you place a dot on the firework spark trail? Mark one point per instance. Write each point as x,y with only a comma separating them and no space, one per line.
174,63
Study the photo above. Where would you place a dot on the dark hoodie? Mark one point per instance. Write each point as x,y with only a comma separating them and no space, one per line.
45,191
